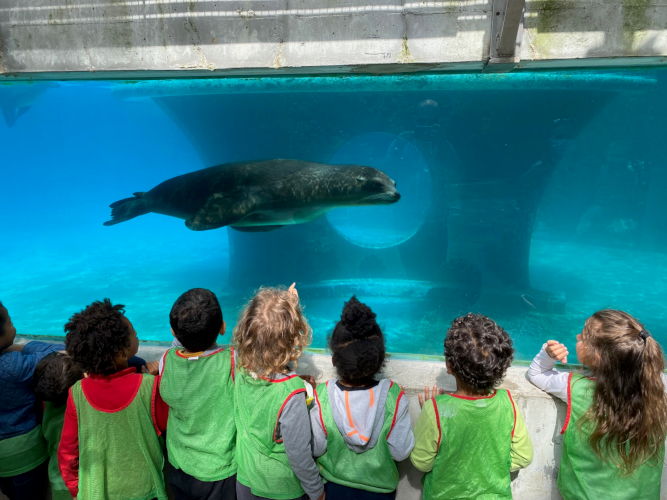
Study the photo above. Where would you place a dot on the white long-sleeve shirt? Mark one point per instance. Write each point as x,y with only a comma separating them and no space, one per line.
542,374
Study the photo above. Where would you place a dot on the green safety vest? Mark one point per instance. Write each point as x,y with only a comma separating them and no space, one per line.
260,453
52,427
201,433
120,457
374,469
474,449
583,475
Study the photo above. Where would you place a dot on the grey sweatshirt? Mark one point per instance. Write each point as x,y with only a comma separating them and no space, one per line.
359,414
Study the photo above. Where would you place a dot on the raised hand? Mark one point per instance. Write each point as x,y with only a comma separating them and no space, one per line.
556,351
429,394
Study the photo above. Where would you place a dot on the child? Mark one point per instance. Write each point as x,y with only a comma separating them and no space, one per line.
273,446
197,385
109,448
469,441
23,454
361,426
614,432
54,375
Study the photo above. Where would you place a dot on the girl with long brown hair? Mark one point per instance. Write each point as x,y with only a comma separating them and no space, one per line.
616,422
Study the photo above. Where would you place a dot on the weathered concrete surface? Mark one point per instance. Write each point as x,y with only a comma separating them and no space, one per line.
543,414
176,38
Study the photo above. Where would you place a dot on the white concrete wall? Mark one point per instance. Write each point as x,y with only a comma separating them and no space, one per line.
170,38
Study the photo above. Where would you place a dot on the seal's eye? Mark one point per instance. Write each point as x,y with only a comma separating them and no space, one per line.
361,179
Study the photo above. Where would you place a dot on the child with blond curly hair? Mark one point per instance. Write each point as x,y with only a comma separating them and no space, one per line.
273,447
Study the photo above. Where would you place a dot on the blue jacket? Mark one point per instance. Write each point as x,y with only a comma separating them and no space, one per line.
17,402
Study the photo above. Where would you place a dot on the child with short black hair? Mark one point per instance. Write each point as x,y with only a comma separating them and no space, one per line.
197,386
361,426
54,375
616,424
23,454
109,448
469,441
273,447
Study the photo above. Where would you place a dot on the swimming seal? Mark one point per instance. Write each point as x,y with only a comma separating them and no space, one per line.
259,195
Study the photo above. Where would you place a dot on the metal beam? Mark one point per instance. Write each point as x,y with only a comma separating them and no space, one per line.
506,31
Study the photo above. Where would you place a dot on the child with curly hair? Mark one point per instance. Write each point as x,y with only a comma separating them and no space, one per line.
54,375
197,388
273,446
109,448
23,454
361,426
469,441
616,424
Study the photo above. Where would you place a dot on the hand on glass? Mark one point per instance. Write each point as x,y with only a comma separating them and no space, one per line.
556,351
429,394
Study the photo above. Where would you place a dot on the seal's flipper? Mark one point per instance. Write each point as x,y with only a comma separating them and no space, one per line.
218,211
255,229
127,209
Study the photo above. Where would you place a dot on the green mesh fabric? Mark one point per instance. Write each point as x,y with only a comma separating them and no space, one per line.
52,427
583,475
201,435
262,461
119,453
474,459
373,470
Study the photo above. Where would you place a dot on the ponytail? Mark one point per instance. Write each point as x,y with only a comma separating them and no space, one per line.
628,418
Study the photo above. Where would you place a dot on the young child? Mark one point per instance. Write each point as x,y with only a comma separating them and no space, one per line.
273,446
361,426
469,441
197,385
23,454
616,424
54,375
109,448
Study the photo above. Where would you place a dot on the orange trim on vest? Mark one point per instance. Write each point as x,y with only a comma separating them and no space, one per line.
473,398
233,367
569,403
153,400
514,410
181,354
275,429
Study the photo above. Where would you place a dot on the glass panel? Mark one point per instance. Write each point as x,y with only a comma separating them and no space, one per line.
534,198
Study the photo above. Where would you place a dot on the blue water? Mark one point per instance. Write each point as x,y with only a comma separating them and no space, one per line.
536,200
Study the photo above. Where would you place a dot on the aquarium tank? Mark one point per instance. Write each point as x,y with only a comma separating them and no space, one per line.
534,198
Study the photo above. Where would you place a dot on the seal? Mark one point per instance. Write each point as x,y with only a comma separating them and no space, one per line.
259,195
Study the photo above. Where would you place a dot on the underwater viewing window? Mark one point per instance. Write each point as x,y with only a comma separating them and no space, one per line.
536,198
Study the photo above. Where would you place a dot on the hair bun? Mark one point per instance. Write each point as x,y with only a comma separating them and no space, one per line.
358,320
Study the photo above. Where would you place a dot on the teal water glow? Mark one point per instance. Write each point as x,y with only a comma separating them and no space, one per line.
535,198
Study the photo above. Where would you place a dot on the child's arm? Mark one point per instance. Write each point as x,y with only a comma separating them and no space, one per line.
296,434
319,445
522,447
401,439
542,374
68,450
427,438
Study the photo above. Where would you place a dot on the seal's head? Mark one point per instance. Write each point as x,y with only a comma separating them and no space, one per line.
372,187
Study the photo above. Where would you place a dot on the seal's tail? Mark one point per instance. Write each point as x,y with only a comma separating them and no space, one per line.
127,209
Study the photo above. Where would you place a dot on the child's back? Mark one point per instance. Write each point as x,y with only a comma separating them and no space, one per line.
274,437
468,442
109,448
614,432
361,426
54,375
197,385
22,447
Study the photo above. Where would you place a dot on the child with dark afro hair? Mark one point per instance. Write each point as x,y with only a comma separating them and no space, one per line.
361,425
109,446
469,441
